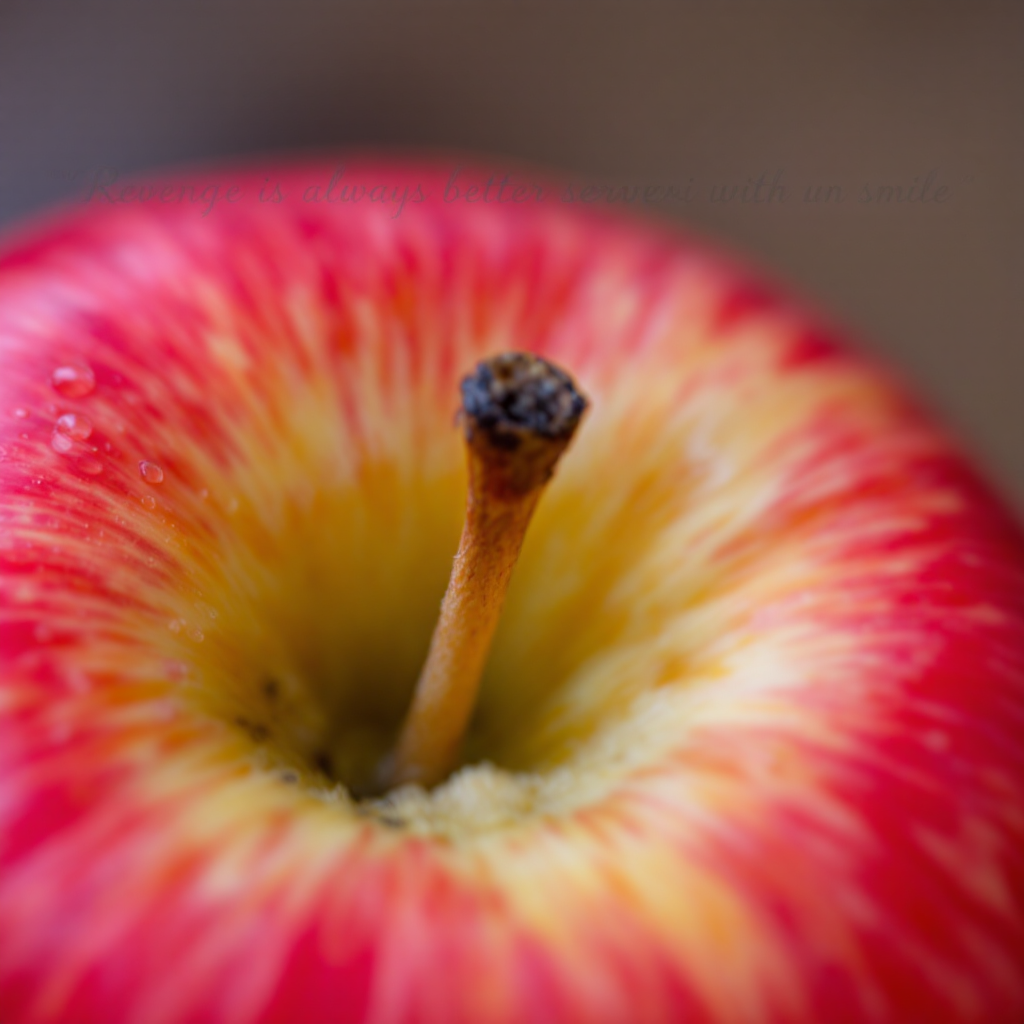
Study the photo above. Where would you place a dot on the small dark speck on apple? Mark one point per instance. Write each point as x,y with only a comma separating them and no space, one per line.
259,733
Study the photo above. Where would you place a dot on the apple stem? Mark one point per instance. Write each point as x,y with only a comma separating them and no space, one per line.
519,413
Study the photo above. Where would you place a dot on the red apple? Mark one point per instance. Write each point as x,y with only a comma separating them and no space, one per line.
748,748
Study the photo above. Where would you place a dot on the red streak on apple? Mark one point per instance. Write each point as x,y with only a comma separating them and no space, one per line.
754,710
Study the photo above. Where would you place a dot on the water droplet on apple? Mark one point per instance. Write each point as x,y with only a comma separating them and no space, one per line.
151,472
208,610
91,466
22,414
197,635
72,425
175,625
73,381
148,500
61,443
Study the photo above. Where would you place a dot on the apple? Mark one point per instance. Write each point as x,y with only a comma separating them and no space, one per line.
749,742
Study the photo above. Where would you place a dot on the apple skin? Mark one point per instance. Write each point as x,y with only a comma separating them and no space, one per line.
763,658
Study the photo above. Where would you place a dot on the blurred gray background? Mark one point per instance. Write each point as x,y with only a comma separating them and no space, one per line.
863,98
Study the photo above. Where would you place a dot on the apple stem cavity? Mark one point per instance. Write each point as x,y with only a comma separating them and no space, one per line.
519,413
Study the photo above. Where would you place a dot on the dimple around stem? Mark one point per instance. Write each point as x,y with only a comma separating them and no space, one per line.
519,414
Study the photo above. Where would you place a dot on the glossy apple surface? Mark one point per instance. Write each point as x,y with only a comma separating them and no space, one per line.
749,745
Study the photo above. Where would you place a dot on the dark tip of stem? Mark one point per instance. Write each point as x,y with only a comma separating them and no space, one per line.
516,396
